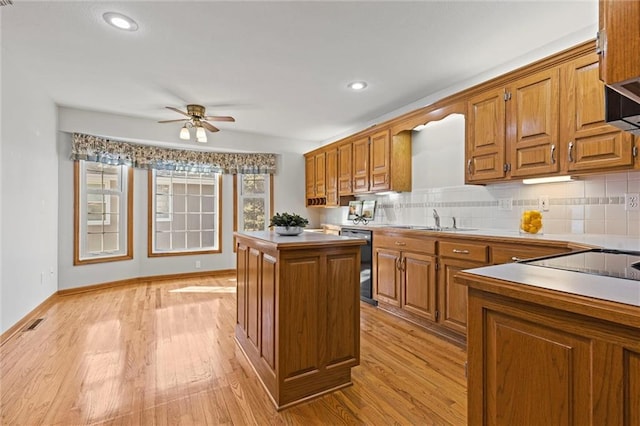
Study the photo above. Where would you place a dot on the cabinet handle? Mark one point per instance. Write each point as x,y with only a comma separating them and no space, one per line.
553,152
469,167
461,251
400,243
515,259
571,152
398,264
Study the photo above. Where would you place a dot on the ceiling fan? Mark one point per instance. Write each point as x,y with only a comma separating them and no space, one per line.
198,120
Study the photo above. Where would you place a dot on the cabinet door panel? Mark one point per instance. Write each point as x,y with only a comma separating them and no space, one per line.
320,174
485,144
345,177
419,280
331,177
534,373
310,176
360,155
242,253
268,312
453,295
387,276
343,310
380,161
632,387
592,143
252,292
533,124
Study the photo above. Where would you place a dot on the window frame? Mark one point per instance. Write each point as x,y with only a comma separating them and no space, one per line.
128,254
151,221
236,194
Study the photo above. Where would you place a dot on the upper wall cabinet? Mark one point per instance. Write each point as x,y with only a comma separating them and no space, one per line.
591,143
619,44
374,162
365,164
514,128
544,123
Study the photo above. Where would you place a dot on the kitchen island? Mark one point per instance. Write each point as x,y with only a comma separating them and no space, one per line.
298,311
549,346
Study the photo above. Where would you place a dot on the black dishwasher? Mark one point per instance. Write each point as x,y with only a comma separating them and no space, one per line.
366,251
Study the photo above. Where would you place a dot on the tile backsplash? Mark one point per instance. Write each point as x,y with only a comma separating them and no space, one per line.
588,205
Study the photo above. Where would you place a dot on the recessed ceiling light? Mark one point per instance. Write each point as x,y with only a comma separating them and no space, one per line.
357,85
120,21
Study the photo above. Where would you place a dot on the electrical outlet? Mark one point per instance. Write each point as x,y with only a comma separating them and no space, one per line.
632,201
197,264
505,203
543,203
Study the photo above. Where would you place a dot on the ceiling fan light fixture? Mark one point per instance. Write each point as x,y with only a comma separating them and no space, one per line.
184,133
201,135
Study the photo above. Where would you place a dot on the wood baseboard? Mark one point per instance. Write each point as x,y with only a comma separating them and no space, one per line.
138,280
24,321
49,301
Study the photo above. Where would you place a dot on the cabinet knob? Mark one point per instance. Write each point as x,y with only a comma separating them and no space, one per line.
469,166
515,259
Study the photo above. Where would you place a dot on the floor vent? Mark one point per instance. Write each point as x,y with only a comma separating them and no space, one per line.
34,324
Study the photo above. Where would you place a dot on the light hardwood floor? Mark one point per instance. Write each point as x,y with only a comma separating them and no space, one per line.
145,354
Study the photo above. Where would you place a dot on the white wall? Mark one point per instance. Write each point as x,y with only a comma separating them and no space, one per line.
29,193
288,195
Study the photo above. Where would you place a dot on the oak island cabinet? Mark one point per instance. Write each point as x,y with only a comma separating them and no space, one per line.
541,355
298,311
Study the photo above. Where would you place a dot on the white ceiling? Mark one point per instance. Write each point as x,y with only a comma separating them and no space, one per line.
280,68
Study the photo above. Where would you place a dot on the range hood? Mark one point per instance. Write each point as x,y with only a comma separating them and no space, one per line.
623,111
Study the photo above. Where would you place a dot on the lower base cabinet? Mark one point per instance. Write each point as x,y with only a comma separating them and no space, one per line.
536,365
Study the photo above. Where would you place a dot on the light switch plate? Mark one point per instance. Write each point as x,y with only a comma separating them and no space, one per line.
543,203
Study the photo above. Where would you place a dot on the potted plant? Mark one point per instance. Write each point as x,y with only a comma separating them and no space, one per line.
288,223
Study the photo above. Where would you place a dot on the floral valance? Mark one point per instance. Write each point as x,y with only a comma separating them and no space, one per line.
94,148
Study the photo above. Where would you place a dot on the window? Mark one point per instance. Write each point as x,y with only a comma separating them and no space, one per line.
102,212
253,194
184,213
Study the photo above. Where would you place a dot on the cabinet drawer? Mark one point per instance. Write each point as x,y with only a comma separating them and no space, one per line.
404,242
466,251
511,253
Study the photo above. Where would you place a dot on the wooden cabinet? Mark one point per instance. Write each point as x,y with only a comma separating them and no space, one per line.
619,44
405,273
513,252
533,107
380,161
298,312
486,140
372,162
456,255
345,166
514,128
315,188
360,168
331,177
591,144
536,358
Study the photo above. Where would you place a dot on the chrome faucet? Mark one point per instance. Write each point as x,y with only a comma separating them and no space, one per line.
437,218
454,222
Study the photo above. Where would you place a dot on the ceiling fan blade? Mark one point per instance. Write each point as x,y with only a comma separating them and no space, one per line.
208,126
219,118
173,121
177,110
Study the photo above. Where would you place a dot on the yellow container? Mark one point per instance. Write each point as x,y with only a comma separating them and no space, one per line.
531,222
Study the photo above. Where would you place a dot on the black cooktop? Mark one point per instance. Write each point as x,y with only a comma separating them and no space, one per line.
610,263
